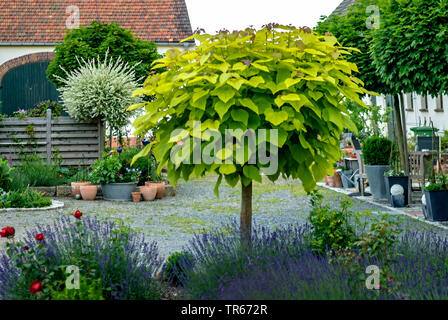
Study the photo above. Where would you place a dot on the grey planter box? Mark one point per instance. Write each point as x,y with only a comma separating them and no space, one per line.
375,174
118,191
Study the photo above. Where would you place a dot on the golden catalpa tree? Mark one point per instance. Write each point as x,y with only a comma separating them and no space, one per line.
249,103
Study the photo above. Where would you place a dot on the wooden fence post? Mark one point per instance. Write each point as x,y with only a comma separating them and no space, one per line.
101,138
49,146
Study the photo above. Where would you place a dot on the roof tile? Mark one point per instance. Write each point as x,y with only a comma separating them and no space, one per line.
44,21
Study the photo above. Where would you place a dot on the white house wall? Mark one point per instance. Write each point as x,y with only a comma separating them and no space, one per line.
10,52
414,114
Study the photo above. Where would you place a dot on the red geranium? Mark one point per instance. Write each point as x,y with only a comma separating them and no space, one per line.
36,286
77,214
40,237
7,232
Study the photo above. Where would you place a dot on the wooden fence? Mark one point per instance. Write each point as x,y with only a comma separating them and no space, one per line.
76,143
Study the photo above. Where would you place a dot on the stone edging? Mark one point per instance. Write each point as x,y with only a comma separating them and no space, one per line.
55,204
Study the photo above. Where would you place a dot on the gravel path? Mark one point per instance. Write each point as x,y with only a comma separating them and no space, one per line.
172,221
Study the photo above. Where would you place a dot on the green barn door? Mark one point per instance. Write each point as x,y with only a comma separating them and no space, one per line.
24,86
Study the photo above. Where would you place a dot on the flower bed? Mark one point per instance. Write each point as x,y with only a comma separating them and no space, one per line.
113,262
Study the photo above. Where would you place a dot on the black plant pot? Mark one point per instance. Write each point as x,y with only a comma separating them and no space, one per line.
436,208
402,181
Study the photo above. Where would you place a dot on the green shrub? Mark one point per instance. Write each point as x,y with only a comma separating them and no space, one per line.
34,172
105,170
5,174
144,164
440,183
331,229
377,151
24,199
40,109
94,40
444,141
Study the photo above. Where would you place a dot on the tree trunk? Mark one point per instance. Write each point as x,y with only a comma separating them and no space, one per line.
399,130
246,213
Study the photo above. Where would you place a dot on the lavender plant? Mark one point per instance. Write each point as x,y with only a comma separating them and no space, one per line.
122,259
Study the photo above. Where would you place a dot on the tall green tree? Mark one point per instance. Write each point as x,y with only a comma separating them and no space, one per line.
281,78
354,29
94,41
410,48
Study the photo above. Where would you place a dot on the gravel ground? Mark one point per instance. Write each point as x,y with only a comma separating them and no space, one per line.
173,221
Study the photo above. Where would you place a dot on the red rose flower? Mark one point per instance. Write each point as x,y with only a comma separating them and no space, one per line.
40,237
77,214
7,232
36,286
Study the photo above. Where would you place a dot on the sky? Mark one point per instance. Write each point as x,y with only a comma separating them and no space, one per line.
214,15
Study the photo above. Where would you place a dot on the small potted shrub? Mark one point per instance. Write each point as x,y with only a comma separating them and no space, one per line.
156,180
376,153
117,182
435,199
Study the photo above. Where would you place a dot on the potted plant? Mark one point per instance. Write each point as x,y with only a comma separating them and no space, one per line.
117,181
397,181
435,199
376,152
157,181
393,178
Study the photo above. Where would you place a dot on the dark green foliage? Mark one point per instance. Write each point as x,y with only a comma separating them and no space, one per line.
173,271
145,164
40,109
95,40
24,199
440,183
351,31
34,172
5,174
376,151
411,47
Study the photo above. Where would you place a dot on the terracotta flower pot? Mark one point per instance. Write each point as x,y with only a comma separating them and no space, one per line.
148,192
75,186
136,196
88,191
326,180
160,188
337,180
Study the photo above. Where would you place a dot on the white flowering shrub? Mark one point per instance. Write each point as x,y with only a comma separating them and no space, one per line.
100,90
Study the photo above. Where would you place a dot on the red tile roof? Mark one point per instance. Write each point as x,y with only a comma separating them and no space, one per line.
44,21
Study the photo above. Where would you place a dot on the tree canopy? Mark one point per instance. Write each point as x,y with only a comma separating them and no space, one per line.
94,41
353,30
279,77
410,48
